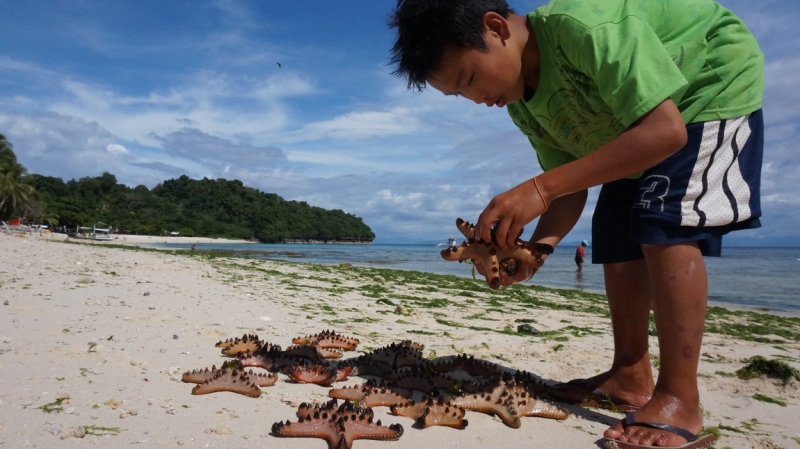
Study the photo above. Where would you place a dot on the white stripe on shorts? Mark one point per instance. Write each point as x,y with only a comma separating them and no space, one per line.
717,194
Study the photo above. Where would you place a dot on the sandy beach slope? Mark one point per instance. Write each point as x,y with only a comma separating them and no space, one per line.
129,239
99,337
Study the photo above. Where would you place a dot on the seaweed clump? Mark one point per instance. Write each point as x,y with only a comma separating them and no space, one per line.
760,366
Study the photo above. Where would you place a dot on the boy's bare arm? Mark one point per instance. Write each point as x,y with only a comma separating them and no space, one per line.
560,218
651,139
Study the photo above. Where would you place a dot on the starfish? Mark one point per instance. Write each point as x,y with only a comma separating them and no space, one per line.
319,373
432,412
372,394
329,340
394,355
312,351
467,364
228,379
340,426
509,400
202,375
491,256
248,343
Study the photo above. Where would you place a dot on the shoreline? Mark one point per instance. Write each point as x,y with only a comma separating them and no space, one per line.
134,239
109,330
244,253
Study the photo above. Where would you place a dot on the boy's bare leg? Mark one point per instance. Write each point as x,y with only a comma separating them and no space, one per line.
630,378
680,288
628,291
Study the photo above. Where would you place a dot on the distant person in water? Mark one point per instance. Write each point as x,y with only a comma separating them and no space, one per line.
580,254
193,246
451,242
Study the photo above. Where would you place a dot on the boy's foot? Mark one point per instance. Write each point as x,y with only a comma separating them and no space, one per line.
608,391
646,427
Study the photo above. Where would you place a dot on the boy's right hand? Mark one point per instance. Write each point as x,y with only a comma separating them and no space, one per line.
509,212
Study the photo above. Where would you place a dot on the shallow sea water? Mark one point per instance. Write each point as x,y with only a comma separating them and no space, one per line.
749,277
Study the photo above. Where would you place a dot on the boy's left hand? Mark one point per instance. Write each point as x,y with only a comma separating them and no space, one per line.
509,212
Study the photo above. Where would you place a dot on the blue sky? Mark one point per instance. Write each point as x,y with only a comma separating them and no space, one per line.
150,90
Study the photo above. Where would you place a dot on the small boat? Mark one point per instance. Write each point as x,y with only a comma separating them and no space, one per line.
92,233
15,227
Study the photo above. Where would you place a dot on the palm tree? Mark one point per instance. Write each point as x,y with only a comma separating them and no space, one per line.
14,194
50,219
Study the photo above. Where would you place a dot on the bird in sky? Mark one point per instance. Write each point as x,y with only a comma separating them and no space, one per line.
279,64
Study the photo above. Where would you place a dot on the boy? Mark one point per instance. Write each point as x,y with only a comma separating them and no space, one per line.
658,101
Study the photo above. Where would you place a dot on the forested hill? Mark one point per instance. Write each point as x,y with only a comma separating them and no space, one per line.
209,208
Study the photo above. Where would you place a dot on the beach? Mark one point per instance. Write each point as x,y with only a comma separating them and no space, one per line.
94,340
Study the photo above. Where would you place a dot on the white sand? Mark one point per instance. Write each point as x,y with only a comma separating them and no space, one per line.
114,329
150,239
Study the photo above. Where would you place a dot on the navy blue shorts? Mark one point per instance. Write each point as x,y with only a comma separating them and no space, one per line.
704,191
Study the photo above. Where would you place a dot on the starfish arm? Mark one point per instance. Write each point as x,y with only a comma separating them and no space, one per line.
229,380
306,428
362,428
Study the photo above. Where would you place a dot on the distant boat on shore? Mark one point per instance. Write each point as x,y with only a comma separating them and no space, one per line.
92,233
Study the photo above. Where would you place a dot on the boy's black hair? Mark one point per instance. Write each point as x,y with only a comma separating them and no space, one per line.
426,27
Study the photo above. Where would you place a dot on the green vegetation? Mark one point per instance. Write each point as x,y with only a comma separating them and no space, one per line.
446,291
210,208
752,326
16,195
53,407
760,366
771,400
97,430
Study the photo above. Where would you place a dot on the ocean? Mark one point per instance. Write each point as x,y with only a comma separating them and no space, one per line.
749,277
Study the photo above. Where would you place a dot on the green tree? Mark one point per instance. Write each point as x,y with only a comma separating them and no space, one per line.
15,194
206,207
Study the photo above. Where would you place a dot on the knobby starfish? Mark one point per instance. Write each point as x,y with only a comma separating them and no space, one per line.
372,394
229,379
329,340
320,373
491,256
340,426
509,401
313,351
248,343
432,412
204,375
483,386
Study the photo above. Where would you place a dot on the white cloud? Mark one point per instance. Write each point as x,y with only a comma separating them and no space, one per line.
360,125
116,148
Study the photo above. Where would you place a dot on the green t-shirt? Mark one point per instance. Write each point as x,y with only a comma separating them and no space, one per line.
605,63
